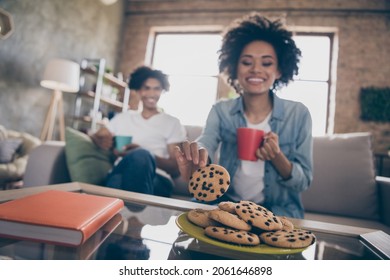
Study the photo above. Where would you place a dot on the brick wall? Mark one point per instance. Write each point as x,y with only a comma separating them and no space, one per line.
363,40
46,29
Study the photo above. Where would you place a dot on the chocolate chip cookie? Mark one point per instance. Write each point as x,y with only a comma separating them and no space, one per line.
227,206
232,235
287,224
296,238
228,219
209,183
258,216
200,217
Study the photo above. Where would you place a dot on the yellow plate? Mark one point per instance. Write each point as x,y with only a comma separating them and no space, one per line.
197,232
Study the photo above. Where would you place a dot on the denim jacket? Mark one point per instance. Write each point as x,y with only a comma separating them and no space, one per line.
291,121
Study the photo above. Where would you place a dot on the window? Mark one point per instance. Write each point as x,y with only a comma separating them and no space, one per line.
191,61
312,85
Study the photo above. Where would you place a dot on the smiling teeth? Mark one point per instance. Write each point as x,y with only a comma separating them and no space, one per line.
258,80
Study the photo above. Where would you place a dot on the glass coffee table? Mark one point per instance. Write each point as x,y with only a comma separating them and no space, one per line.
156,228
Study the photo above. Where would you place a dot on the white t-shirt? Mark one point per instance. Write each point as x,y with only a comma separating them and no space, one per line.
153,134
249,178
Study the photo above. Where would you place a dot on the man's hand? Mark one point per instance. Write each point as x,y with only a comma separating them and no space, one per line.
127,148
103,138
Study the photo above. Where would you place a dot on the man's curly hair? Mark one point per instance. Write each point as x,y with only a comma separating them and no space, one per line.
142,73
255,27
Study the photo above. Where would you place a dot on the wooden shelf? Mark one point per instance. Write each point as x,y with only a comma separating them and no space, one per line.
106,100
108,78
88,119
94,68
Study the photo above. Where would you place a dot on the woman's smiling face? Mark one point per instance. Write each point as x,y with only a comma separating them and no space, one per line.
257,68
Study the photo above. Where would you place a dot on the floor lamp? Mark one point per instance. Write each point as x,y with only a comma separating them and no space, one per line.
60,75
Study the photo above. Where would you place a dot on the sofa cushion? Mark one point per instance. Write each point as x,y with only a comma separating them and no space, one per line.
343,177
53,171
86,162
8,148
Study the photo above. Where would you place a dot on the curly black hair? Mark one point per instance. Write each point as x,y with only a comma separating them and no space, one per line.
142,73
254,27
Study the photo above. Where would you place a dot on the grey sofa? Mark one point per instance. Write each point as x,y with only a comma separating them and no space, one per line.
12,172
345,189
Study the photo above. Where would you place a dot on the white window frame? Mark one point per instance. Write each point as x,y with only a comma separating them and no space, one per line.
332,34
185,30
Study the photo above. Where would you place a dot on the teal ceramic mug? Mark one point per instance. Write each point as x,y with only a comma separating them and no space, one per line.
121,141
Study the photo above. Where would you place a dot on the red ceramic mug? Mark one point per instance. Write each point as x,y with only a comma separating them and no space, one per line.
248,141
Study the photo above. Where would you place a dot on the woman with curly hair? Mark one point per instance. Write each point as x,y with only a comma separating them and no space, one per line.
148,164
258,56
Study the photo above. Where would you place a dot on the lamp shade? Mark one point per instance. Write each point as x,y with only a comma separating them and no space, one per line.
108,2
61,74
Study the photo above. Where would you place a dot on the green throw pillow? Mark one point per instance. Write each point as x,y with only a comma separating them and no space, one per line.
86,162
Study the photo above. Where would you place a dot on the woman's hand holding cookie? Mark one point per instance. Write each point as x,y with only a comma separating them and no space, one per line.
189,158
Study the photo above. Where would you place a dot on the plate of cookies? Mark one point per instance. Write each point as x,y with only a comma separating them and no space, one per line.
227,230
242,226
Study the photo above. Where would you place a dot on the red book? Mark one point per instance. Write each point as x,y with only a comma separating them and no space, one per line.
86,250
58,217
